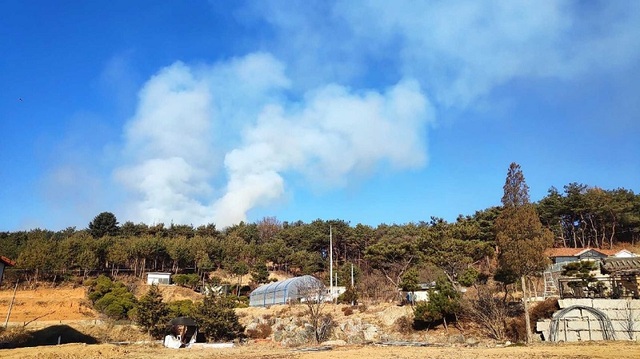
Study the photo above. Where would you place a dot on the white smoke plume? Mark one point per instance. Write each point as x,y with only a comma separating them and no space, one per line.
196,126
459,51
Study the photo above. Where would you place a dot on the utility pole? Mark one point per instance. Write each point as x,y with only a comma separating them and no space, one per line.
352,287
330,263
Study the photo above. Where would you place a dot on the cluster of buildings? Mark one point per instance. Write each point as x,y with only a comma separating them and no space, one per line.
615,274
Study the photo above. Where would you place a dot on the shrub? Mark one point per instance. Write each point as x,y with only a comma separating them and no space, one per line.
489,312
404,325
517,329
443,304
180,308
262,331
324,328
347,311
113,299
542,310
151,314
350,296
186,280
468,277
216,318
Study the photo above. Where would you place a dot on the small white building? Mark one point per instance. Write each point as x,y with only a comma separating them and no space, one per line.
624,254
158,278
337,291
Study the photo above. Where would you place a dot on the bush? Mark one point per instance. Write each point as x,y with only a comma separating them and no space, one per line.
186,280
262,331
180,308
517,329
350,296
543,310
347,311
443,304
324,328
404,325
468,277
112,299
151,314
490,313
216,318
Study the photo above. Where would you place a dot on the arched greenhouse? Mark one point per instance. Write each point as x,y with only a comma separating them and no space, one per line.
288,290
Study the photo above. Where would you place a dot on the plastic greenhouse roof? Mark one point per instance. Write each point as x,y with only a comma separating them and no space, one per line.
282,291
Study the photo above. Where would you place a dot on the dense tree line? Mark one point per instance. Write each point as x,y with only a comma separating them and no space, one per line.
584,216
296,248
581,216
505,243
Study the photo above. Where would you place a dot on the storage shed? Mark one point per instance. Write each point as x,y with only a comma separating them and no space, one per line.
158,278
285,291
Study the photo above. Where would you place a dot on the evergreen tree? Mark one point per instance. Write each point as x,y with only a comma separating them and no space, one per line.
410,283
151,314
260,274
216,318
104,224
443,303
520,236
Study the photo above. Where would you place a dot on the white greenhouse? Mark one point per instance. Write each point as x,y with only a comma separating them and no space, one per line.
286,291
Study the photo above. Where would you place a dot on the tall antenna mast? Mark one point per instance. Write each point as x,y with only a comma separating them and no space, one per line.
330,263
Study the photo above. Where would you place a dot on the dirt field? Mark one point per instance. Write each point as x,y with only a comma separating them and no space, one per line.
622,350
46,305
43,306
51,311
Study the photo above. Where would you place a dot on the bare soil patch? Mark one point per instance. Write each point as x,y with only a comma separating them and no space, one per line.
46,304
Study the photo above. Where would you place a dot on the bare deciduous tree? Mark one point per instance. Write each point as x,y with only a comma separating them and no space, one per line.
489,312
628,321
315,297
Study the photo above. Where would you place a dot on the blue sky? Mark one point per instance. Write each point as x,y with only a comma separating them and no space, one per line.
372,112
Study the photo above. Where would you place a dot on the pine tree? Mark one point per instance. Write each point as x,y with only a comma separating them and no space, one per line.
259,273
217,319
104,224
520,236
151,314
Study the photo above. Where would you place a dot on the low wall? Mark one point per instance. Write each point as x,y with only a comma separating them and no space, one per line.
621,320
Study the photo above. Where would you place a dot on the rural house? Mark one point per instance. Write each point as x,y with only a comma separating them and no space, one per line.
5,262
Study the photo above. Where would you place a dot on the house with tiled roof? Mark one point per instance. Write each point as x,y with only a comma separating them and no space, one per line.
561,256
610,262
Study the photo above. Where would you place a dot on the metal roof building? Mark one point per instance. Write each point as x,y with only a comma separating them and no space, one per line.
285,291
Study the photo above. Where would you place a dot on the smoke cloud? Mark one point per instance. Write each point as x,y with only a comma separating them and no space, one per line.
196,127
208,143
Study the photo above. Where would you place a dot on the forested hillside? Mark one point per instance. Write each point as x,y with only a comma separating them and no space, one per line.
579,216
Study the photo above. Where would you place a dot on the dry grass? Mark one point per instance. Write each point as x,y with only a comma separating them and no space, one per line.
622,350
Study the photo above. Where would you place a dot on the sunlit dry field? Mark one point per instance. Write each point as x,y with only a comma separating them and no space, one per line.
620,350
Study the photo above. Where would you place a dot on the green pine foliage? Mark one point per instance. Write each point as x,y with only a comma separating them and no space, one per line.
443,305
151,313
180,308
104,224
186,280
350,296
110,298
468,277
410,281
259,273
217,319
